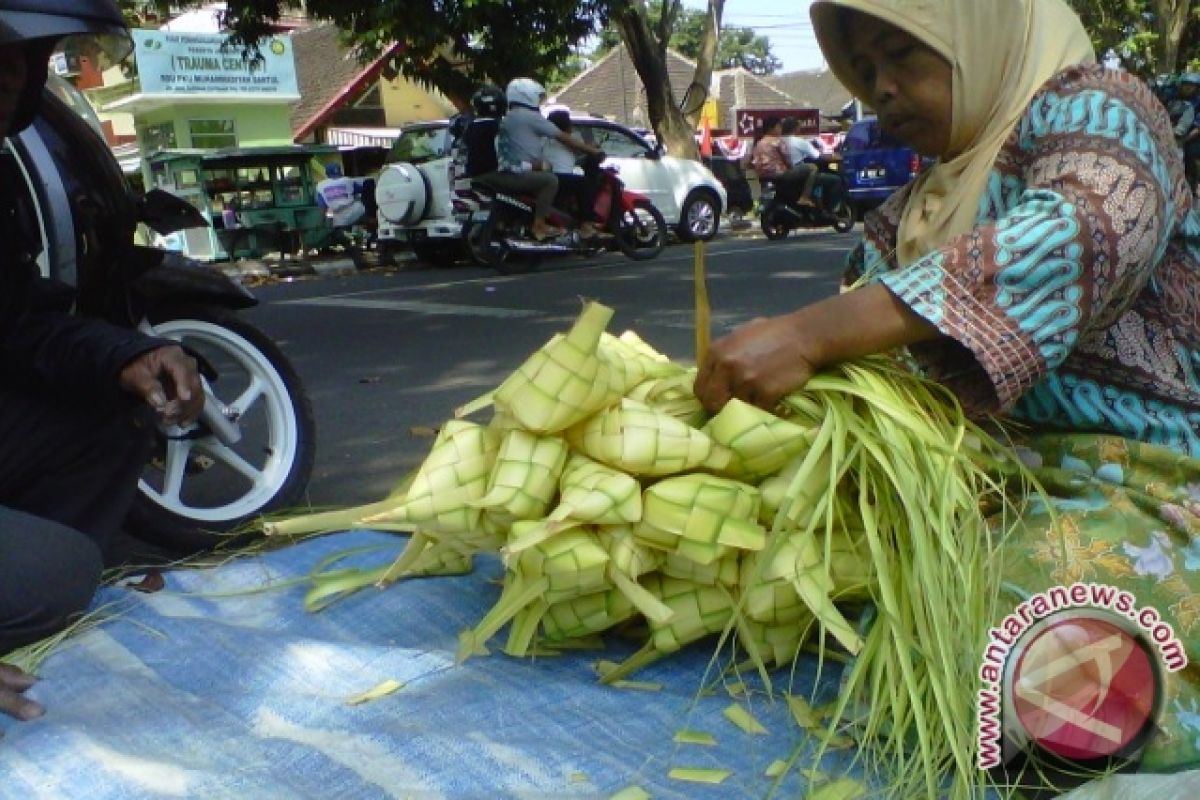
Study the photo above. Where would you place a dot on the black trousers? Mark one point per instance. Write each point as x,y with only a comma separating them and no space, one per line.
581,191
68,474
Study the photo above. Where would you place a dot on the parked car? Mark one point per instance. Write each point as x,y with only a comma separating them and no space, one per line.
875,165
417,207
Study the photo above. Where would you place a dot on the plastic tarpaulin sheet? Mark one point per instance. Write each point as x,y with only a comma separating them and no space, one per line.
214,688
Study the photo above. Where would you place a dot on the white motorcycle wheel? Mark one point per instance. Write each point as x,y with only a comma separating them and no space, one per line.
195,482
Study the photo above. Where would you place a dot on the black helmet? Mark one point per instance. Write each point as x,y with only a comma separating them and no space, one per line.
489,101
97,26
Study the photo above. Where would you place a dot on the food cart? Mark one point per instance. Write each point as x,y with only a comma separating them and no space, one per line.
259,199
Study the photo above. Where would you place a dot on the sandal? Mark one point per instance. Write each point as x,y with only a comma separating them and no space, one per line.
548,232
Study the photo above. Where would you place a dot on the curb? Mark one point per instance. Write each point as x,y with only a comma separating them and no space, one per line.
257,269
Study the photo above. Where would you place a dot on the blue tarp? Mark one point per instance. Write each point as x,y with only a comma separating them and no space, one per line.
206,691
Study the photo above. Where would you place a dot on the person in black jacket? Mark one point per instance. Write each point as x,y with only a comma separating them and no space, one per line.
77,396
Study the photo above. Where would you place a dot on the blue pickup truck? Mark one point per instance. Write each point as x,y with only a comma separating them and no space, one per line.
875,165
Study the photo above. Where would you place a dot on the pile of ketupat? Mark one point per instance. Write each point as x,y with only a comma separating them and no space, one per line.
611,496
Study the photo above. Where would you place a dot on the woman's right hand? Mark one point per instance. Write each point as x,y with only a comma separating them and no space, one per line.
759,363
13,702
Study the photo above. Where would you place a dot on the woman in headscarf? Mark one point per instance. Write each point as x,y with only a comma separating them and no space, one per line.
1045,269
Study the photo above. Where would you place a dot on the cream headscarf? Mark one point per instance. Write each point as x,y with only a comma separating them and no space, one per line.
1002,52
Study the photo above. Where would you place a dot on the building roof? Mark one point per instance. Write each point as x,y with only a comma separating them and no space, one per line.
329,74
611,88
740,88
817,88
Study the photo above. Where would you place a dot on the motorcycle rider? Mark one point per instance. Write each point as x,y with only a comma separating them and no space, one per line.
771,161
478,150
73,438
574,180
520,146
802,155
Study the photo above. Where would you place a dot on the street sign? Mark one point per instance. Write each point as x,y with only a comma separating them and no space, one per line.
750,120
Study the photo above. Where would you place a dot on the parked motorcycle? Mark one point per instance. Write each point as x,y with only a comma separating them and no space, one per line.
253,448
781,212
498,234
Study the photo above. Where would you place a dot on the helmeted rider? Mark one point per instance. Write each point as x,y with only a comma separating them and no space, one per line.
73,436
488,105
520,151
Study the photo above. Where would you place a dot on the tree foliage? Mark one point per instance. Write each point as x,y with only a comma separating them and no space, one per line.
453,45
737,47
1150,37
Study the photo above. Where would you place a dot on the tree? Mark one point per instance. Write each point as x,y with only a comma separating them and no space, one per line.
1151,37
647,35
737,47
453,45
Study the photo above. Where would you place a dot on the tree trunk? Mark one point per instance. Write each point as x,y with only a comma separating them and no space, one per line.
708,52
1170,19
649,59
648,51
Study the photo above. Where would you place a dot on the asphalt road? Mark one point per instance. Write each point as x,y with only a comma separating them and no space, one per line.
382,353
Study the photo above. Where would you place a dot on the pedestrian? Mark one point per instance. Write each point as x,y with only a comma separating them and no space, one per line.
340,197
75,430
1044,270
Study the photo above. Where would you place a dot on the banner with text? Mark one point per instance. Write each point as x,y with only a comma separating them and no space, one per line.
173,63
750,120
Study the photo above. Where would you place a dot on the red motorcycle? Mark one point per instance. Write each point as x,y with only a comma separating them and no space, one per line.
498,234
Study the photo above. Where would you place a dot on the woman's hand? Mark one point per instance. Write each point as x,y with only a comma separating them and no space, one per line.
13,702
759,363
766,360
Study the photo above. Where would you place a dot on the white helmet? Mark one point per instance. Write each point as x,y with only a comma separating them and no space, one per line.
525,92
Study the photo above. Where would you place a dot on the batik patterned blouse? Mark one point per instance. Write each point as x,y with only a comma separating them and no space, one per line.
1074,304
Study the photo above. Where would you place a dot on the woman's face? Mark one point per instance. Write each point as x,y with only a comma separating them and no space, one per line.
911,86
13,68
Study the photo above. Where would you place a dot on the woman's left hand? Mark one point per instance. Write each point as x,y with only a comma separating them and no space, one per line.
759,363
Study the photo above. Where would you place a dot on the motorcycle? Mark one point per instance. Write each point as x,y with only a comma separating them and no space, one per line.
498,233
253,448
781,212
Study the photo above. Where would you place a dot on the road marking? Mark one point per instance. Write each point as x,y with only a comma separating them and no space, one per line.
413,306
500,279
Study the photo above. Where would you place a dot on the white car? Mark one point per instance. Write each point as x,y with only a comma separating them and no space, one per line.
417,207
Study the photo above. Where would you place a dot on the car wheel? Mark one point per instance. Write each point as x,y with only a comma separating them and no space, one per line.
700,218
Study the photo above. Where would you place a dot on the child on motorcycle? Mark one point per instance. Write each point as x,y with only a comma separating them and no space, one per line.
575,181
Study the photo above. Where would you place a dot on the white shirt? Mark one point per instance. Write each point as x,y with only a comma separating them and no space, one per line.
338,196
560,157
799,149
